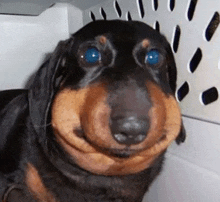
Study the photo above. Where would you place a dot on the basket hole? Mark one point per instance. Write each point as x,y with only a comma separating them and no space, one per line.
141,8
92,16
191,10
195,60
183,91
172,5
155,4
103,13
209,96
129,18
118,9
157,26
176,38
214,23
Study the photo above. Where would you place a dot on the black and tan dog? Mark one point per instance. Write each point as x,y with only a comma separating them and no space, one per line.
96,121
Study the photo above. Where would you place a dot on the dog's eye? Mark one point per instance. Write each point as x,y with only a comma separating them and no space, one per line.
92,55
152,57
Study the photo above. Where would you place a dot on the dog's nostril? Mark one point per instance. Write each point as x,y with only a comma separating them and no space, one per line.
129,130
120,137
140,138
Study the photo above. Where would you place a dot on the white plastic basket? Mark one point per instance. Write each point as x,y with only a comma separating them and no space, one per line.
191,26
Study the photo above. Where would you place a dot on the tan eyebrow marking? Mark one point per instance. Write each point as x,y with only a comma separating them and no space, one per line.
145,43
102,39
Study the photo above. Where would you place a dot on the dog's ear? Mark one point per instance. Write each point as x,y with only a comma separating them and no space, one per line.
182,135
172,76
13,110
44,86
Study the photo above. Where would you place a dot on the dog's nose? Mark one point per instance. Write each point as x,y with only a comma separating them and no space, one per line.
129,130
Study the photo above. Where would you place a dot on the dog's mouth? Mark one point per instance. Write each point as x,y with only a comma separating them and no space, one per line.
126,152
121,153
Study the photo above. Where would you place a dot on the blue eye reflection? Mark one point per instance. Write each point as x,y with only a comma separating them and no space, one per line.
152,57
92,55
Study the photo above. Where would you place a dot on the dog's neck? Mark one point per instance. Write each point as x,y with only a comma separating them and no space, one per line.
109,188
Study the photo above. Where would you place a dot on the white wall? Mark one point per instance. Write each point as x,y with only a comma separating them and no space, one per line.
25,40
192,170
75,18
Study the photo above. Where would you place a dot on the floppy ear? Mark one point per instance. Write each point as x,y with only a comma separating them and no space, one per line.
182,135
172,75
13,109
44,86
13,115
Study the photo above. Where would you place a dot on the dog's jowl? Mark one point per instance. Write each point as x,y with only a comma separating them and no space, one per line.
96,121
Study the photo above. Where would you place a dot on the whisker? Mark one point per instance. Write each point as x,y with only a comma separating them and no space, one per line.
42,126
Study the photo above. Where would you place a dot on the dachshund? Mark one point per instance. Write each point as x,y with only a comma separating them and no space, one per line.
96,121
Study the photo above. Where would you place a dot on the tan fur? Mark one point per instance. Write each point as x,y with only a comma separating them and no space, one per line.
145,43
102,39
87,108
36,186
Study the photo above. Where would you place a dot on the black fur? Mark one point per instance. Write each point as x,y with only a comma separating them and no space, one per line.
26,136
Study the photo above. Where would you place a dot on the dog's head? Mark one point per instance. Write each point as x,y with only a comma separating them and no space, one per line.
108,92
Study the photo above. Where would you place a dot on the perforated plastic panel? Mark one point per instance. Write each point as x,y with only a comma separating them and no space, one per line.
191,26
